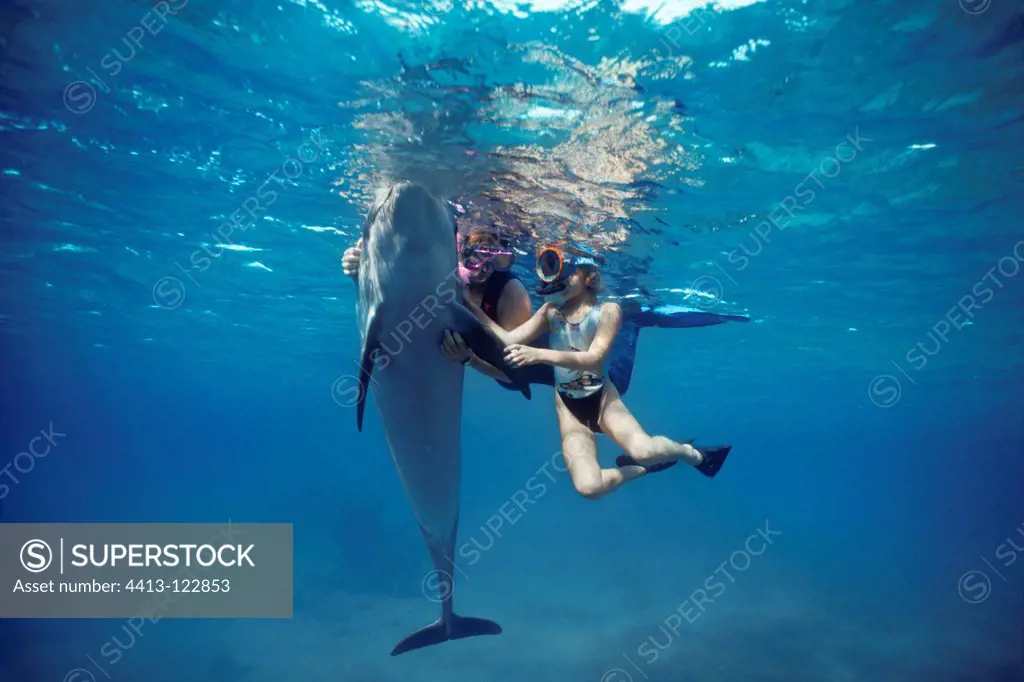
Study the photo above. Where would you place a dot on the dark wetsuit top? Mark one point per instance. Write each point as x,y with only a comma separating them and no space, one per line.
492,293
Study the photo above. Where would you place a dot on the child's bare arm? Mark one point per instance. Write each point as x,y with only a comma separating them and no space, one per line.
524,333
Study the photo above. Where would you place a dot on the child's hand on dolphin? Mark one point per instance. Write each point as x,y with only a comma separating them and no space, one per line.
454,348
350,259
518,355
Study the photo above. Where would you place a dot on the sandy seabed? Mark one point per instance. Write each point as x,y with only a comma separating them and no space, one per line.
565,627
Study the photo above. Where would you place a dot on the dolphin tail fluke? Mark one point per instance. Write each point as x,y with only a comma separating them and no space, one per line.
488,347
459,627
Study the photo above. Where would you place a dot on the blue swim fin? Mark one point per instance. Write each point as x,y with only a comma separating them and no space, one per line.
636,316
669,316
437,632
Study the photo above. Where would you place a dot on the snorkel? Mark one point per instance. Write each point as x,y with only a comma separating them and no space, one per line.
555,268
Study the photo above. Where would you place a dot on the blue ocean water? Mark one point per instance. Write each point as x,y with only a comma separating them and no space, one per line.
180,179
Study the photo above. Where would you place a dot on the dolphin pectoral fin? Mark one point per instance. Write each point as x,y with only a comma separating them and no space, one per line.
488,347
370,344
438,632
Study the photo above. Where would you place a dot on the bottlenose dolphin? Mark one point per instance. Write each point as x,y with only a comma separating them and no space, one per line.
409,294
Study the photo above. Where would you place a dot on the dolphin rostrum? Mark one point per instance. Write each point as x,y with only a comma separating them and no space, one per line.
409,294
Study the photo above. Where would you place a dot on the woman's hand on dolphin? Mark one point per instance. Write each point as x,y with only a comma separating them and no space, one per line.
518,355
350,259
454,348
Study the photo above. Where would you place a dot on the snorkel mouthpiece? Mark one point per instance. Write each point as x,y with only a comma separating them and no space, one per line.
548,288
553,292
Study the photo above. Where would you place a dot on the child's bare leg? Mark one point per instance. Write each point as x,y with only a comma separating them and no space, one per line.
620,425
580,452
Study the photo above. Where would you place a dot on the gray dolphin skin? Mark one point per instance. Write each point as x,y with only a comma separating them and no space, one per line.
409,294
